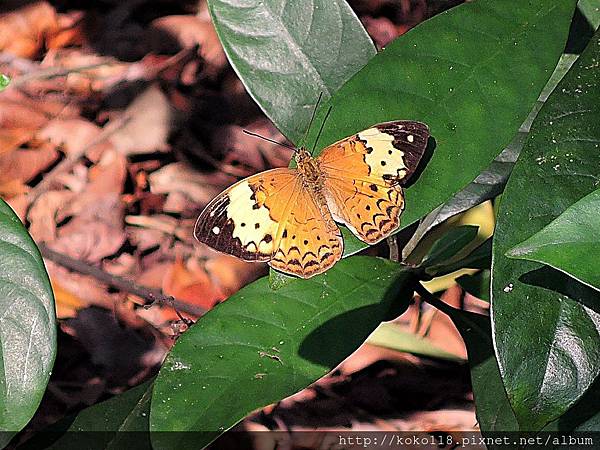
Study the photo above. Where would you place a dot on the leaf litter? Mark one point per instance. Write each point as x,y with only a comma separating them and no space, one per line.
119,125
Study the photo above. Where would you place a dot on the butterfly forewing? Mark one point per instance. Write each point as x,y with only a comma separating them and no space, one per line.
272,217
364,173
239,222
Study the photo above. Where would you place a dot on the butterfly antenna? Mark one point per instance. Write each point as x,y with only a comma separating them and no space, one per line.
269,140
320,130
312,118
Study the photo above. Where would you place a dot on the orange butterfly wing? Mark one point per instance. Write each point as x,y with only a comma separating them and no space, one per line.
364,175
273,217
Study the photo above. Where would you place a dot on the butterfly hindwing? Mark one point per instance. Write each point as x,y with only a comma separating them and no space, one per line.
369,210
272,217
310,241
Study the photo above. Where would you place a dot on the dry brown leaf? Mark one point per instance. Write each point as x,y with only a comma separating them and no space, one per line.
77,291
23,30
122,266
67,302
181,177
249,152
73,136
88,241
96,230
189,31
146,238
82,73
189,282
109,174
381,30
231,273
44,214
18,123
148,121
25,164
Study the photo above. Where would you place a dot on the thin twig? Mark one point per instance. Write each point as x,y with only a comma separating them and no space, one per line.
432,299
55,72
392,242
149,294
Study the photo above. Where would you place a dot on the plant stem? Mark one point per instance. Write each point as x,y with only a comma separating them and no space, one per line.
149,294
432,299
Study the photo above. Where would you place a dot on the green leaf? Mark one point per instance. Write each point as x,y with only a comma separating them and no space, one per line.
489,183
390,335
450,245
287,52
570,243
117,423
472,73
4,81
546,327
583,416
480,258
262,345
477,284
27,325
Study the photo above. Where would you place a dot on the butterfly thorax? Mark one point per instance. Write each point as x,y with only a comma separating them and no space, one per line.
309,169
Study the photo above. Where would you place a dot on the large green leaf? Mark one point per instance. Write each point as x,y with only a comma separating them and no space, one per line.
261,346
591,11
288,52
472,73
491,181
121,422
446,249
570,243
27,325
546,327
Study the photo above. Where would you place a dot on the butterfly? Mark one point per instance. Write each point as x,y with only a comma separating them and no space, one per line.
287,217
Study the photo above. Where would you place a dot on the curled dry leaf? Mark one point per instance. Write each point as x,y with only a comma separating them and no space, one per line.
188,31
181,177
23,31
248,153
74,136
44,214
146,124
20,166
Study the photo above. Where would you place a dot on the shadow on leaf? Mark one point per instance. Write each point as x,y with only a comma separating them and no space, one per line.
345,332
549,278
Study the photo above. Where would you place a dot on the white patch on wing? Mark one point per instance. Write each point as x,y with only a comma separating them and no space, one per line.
240,210
384,158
